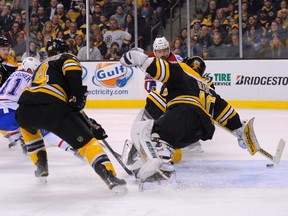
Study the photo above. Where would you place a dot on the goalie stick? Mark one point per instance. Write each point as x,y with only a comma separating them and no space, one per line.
252,142
116,155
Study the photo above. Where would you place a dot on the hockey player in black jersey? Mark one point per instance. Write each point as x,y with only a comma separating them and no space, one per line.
7,63
7,66
192,107
53,102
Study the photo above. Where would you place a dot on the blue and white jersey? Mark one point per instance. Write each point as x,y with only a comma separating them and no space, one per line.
12,89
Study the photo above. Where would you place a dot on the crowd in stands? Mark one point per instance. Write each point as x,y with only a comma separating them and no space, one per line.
111,25
215,30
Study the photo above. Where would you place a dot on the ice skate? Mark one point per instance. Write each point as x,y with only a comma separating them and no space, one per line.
195,147
115,184
42,167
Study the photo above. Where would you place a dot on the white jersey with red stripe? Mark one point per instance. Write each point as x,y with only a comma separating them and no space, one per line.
11,90
173,58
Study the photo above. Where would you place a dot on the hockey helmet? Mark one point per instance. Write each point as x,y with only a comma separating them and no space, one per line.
196,63
4,42
30,63
56,46
160,43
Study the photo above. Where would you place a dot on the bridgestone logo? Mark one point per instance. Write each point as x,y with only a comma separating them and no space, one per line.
256,80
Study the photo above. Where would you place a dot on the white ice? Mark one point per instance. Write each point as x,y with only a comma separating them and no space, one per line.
224,180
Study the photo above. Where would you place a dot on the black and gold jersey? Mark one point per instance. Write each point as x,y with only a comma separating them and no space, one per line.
7,67
186,86
55,80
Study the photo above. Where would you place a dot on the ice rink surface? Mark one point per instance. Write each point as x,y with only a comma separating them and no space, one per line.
224,180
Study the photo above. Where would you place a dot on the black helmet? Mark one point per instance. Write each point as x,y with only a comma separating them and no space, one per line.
4,42
56,46
196,63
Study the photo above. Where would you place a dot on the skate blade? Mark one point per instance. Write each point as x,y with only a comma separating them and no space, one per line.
120,190
161,185
42,179
12,146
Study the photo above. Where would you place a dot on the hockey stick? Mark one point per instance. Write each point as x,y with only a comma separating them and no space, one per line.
116,155
252,142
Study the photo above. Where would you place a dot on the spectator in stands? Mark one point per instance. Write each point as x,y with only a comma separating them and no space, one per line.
195,48
218,49
119,16
94,52
60,34
108,8
263,49
278,50
51,10
6,19
249,40
20,46
284,18
158,11
79,43
269,11
33,7
217,27
254,6
14,32
205,40
16,8
39,41
233,48
100,44
92,4
57,24
104,25
183,35
41,14
115,34
220,15
35,25
147,12
67,24
114,52
200,17
81,19
72,32
48,30
252,22
195,29
210,12
128,6
43,53
32,51
97,14
18,18
177,47
61,13
274,31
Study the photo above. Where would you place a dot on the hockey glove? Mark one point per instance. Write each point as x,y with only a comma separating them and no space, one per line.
133,58
97,130
149,84
78,101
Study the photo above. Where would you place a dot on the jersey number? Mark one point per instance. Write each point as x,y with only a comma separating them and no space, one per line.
207,102
13,88
40,77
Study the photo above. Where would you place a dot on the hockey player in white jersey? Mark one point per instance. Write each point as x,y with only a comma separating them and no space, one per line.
10,92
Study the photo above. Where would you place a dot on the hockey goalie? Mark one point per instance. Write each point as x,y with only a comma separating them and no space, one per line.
192,109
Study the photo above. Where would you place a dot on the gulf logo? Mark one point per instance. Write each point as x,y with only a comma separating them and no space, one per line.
111,75
84,72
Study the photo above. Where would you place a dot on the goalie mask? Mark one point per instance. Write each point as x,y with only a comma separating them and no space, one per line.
30,63
56,46
160,44
196,63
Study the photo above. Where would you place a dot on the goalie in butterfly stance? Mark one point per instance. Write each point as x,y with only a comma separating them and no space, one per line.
52,102
192,108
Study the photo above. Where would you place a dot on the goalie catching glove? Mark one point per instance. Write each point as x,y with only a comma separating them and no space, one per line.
135,58
77,101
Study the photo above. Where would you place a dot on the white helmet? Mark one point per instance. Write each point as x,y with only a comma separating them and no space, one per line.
160,43
30,63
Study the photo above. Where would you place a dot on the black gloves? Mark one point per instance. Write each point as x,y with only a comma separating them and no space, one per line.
77,101
97,130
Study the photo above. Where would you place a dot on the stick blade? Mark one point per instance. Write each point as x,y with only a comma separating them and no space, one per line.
279,151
